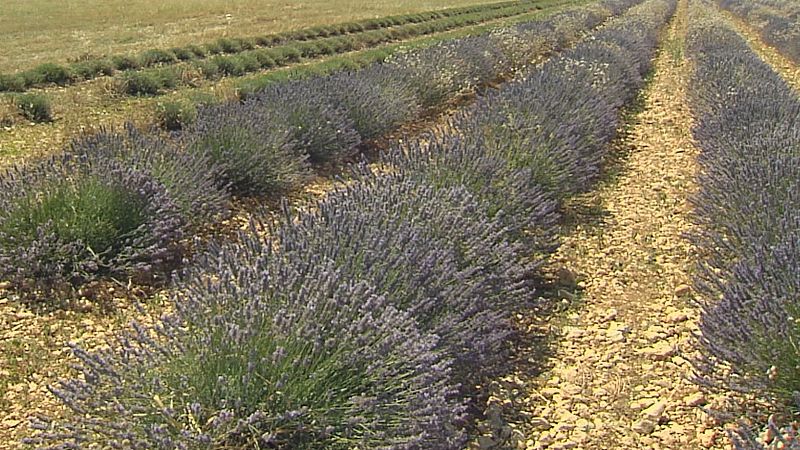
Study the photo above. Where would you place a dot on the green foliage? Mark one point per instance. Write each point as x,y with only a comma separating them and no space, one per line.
124,62
92,68
264,59
175,115
254,158
12,83
286,54
183,53
229,65
168,77
208,68
229,45
248,62
140,83
196,50
156,56
86,210
47,73
35,107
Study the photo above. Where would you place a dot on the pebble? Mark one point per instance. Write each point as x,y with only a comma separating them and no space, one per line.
644,426
707,438
696,399
540,424
660,351
682,290
654,411
677,317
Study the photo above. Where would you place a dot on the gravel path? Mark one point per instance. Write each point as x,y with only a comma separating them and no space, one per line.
619,374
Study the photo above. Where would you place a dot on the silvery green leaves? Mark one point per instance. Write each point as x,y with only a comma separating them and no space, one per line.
433,251
747,127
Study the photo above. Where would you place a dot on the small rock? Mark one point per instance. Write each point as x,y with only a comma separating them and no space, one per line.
549,392
644,426
641,403
540,424
610,314
567,416
677,317
707,438
485,442
660,351
695,399
566,277
546,439
571,389
654,411
11,423
564,427
583,424
616,337
565,445
682,290
574,332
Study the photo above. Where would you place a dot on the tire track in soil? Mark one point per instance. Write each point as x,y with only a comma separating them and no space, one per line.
619,376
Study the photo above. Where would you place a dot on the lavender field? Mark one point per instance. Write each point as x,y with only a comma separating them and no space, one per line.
574,225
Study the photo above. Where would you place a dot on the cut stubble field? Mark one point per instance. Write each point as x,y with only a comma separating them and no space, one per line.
38,31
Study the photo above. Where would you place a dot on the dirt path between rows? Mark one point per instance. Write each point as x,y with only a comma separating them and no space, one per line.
619,374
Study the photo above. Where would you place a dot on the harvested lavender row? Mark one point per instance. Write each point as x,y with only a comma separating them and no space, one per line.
777,21
748,207
363,323
217,56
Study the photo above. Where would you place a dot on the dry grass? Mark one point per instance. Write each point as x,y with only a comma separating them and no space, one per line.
37,31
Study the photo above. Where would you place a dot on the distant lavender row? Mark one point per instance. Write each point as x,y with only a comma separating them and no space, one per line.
748,207
778,22
368,320
267,145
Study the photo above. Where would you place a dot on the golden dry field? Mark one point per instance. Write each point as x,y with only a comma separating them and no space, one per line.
38,31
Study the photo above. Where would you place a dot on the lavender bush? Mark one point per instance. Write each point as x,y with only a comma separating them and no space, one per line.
317,126
747,207
267,350
69,220
778,22
188,177
433,252
374,98
506,194
556,121
248,149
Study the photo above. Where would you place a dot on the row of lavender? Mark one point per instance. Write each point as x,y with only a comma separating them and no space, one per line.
368,321
749,209
118,204
778,22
